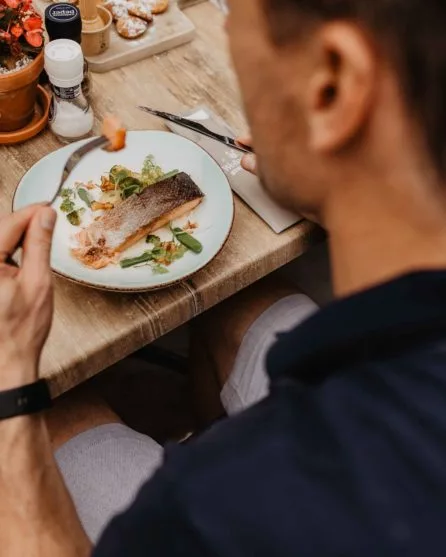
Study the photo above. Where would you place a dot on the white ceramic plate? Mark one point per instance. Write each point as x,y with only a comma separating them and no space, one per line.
214,216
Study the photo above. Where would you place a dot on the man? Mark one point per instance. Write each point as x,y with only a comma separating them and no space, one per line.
346,454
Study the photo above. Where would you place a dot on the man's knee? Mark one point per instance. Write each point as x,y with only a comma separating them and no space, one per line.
220,331
75,412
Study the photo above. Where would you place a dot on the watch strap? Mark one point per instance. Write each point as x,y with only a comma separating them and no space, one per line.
25,400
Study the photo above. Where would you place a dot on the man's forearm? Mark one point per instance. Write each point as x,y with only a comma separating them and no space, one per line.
37,515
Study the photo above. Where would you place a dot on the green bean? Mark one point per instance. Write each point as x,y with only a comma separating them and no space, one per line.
131,262
187,240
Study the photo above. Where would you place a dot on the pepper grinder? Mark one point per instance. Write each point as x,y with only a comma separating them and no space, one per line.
96,27
90,16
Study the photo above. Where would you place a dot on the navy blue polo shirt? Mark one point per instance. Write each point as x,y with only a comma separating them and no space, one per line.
345,458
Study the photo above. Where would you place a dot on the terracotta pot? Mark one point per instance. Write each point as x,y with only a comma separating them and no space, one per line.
18,92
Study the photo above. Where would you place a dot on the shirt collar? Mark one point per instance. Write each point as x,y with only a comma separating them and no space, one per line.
382,319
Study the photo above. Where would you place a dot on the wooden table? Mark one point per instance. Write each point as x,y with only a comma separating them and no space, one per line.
93,330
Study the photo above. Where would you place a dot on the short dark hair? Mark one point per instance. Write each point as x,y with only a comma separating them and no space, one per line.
413,34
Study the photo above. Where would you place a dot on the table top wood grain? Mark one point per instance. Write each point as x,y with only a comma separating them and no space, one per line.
92,330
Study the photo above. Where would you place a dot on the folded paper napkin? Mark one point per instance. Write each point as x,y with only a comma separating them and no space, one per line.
243,183
220,4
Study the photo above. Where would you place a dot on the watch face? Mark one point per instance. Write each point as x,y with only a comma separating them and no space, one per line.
25,400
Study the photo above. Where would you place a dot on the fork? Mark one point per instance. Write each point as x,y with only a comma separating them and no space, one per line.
75,159
70,165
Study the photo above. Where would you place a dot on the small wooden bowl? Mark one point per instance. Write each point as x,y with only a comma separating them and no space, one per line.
96,42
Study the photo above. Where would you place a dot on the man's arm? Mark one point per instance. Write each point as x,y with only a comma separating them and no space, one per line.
37,515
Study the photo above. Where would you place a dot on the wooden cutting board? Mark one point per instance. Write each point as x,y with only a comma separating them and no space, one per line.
169,30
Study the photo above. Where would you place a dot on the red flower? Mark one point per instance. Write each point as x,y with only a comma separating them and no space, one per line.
14,4
23,26
17,31
33,23
34,38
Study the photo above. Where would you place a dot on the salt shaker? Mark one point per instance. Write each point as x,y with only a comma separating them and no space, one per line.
71,116
63,21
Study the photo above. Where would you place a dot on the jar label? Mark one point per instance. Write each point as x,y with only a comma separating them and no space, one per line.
67,93
64,12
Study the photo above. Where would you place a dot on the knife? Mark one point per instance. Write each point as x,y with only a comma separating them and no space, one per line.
199,128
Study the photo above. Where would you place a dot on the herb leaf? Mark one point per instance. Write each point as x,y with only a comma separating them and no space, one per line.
129,186
159,269
83,194
74,217
166,176
179,253
118,173
66,193
67,206
151,172
155,240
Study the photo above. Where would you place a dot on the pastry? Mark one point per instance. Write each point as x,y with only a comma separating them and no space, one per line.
131,27
141,10
133,16
117,8
158,6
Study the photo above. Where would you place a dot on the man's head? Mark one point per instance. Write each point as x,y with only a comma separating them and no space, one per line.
339,89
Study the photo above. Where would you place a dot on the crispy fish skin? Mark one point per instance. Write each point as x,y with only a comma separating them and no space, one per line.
140,215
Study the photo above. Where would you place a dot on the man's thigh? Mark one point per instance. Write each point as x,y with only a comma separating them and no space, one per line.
230,342
104,468
105,465
248,381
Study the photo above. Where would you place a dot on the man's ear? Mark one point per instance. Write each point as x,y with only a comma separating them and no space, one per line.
341,88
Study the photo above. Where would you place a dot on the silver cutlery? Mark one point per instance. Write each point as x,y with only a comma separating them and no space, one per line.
70,165
75,159
199,128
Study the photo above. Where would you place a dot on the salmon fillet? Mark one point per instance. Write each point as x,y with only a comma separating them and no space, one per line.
135,218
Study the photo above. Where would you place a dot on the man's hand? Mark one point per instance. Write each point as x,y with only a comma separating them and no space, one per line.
26,295
249,162
37,515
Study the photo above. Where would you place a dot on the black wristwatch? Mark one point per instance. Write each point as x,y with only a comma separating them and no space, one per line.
25,400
